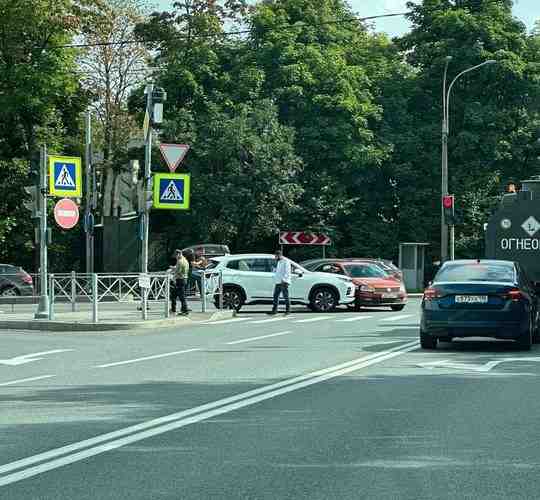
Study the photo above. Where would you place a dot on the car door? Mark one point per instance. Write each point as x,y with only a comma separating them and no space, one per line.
254,275
301,283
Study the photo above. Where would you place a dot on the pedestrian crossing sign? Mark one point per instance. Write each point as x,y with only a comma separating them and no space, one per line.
172,191
65,176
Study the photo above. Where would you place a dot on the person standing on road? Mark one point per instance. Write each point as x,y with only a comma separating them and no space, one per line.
282,280
181,274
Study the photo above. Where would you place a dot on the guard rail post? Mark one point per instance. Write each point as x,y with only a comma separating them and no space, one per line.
73,292
203,291
167,294
51,299
95,298
220,289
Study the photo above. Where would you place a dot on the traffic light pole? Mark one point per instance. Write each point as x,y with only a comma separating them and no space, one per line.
146,208
43,307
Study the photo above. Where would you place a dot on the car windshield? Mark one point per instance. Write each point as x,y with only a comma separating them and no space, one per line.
364,271
476,272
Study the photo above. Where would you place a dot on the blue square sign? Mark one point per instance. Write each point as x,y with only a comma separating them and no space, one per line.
172,191
65,176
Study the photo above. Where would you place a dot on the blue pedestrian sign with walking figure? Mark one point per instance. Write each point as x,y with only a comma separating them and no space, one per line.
172,191
65,176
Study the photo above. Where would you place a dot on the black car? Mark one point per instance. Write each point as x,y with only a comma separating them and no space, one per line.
480,298
14,282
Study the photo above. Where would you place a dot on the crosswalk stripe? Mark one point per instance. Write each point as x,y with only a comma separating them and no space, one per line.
271,320
355,318
397,318
224,321
312,320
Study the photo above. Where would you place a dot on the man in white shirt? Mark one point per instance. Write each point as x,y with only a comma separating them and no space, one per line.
282,279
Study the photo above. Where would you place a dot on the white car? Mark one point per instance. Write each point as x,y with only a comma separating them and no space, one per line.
249,279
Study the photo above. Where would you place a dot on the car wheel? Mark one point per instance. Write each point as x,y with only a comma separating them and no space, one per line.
232,298
323,300
427,341
525,341
10,291
399,307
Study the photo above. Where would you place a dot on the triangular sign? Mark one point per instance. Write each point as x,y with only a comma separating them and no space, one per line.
173,154
171,193
64,179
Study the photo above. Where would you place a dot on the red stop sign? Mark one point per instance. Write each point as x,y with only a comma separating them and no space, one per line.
66,213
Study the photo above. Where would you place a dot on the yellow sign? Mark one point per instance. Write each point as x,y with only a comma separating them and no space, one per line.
172,191
65,176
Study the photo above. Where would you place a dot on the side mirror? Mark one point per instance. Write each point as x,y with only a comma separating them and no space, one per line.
298,273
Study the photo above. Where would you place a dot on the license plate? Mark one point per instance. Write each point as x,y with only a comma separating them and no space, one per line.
389,296
471,299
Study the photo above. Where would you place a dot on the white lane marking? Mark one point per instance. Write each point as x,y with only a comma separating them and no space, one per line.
258,338
146,358
271,320
22,380
355,318
445,363
29,358
225,321
312,320
397,318
178,420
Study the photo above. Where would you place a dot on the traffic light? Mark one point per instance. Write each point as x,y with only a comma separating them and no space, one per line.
448,209
32,203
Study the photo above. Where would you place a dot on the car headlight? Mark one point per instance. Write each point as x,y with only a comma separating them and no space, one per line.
366,288
344,278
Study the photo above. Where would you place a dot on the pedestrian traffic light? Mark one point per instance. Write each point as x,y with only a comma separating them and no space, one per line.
31,203
448,209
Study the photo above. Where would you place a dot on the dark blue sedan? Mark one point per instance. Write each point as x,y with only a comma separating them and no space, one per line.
480,298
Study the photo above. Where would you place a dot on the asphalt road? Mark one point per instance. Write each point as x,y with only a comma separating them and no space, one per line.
311,406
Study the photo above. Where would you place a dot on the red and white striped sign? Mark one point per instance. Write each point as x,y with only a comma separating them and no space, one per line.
303,238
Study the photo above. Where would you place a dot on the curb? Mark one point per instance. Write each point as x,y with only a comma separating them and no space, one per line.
75,326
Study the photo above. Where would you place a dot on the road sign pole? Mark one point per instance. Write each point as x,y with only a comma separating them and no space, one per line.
88,196
146,208
43,307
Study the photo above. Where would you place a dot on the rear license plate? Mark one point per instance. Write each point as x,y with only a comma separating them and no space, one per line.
471,299
389,296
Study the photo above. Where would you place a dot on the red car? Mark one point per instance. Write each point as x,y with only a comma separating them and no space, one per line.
374,287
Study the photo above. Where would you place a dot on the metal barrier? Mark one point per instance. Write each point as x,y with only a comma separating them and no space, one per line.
81,288
110,288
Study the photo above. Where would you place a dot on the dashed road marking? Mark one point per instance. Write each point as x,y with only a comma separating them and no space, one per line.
225,321
355,318
271,320
22,380
258,338
146,358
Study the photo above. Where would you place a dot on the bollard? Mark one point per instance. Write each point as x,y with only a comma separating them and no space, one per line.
167,294
220,289
51,298
203,291
95,298
73,292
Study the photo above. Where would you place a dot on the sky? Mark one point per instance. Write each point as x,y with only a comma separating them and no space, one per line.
527,11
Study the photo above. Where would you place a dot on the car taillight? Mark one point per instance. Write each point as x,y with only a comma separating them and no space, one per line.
25,277
432,293
514,295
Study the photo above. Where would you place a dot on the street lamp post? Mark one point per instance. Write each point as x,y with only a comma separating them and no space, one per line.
444,168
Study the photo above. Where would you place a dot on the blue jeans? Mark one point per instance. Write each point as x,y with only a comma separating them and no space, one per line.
282,288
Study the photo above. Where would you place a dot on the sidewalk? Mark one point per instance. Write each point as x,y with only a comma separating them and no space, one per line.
114,317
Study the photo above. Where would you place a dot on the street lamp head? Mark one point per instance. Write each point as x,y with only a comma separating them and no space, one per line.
491,61
448,58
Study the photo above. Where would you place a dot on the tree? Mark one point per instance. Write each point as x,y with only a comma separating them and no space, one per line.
40,101
112,65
